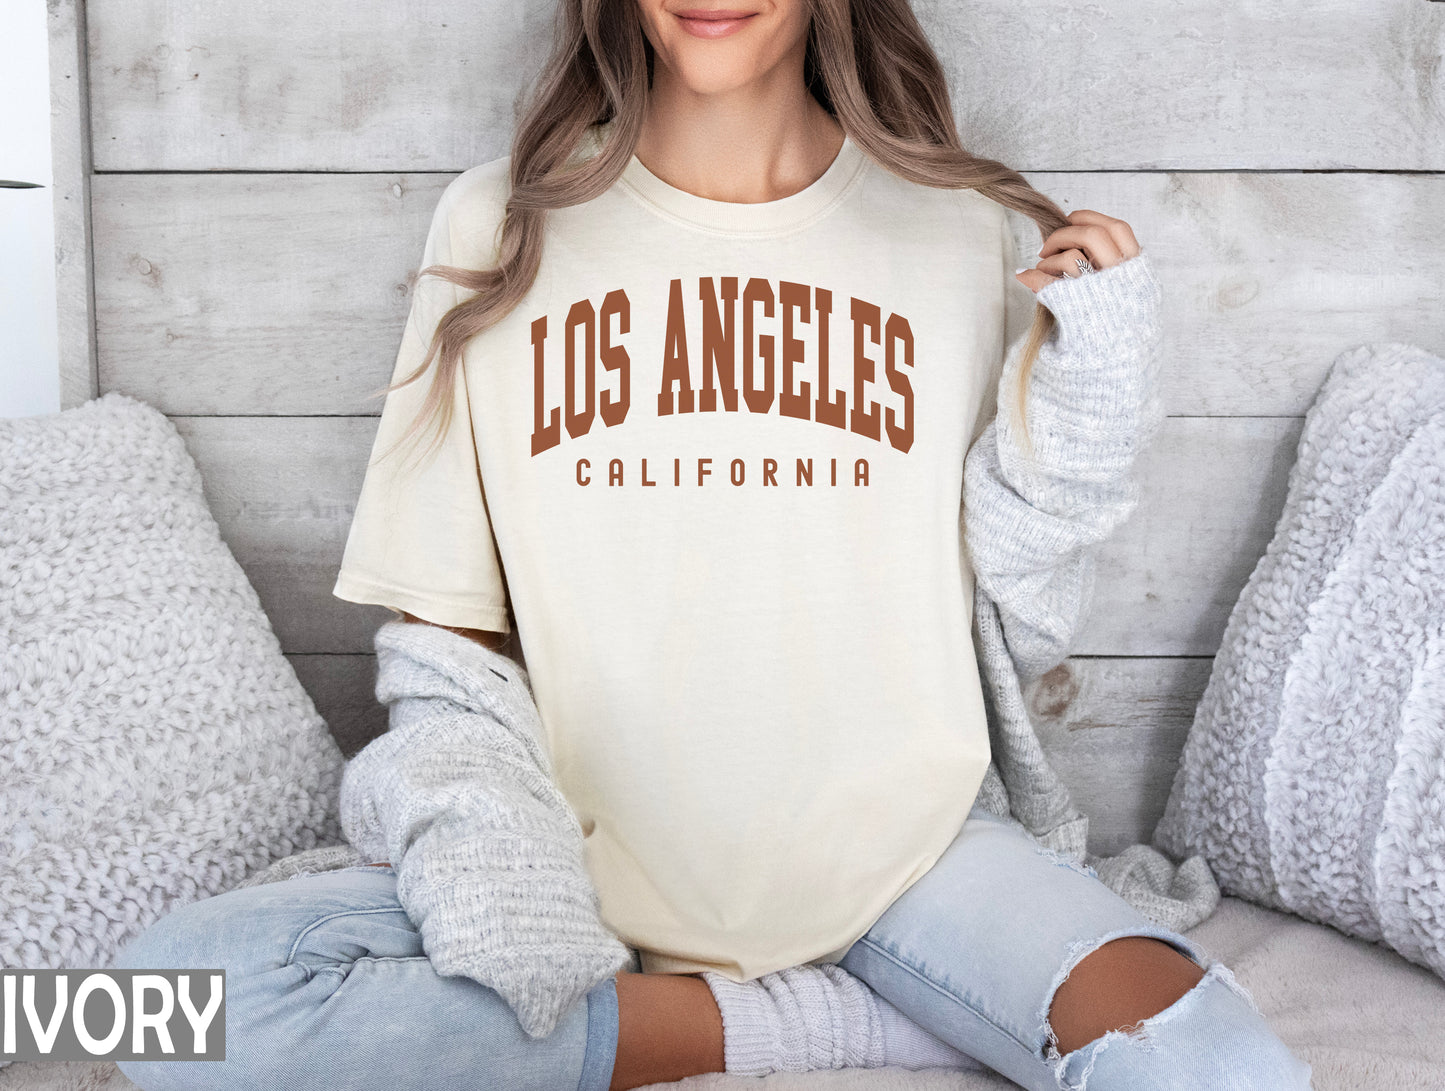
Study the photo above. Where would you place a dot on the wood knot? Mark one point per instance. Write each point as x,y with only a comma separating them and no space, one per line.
1055,691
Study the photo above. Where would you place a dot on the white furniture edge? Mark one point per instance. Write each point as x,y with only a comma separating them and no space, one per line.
70,158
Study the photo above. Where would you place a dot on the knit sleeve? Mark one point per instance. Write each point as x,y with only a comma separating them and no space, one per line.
459,796
1032,522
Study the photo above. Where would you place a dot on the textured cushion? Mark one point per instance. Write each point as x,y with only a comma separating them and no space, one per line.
156,746
1313,778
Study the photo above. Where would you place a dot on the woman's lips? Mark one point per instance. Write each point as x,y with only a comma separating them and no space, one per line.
702,23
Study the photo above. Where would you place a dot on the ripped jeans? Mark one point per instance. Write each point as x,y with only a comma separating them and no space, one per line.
327,985
974,951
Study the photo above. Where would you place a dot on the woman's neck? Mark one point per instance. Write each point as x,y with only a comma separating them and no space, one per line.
756,144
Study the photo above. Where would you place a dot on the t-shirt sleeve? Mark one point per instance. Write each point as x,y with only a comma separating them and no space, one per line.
1018,315
421,538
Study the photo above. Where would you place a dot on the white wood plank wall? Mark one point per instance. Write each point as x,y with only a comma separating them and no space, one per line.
263,175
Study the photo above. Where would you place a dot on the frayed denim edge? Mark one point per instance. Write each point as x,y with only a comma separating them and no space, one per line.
1137,1032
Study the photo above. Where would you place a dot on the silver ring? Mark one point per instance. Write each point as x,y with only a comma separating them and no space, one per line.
1085,266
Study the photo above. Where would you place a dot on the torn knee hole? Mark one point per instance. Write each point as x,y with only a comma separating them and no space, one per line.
1078,951
1139,1029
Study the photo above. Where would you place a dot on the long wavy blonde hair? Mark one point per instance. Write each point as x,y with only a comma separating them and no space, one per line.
868,63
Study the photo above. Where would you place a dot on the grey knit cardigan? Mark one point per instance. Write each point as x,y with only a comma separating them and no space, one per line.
458,794
1031,525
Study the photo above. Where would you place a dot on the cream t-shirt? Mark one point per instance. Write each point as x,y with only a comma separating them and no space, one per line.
713,464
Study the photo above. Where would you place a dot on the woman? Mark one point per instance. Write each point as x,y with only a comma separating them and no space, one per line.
732,314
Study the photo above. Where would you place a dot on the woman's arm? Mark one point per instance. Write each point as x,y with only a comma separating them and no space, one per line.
1032,522
457,793
420,534
487,638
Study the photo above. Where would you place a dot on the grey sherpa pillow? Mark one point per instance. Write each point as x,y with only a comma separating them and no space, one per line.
155,745
1313,778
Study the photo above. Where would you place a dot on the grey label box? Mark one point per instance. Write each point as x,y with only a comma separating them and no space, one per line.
89,1015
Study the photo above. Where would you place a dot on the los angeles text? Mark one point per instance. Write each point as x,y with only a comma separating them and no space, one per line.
747,359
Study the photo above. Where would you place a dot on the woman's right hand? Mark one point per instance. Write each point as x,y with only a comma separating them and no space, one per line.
1100,240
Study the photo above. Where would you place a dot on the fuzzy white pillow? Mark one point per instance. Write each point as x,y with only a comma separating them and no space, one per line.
1313,778
155,745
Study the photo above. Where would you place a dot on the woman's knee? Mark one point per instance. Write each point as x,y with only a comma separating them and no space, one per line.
272,943
1118,984
254,929
190,936
1210,1033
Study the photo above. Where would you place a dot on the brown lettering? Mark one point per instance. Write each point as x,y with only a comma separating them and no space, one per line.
674,358
759,400
550,434
581,314
793,297
614,357
718,345
898,331
824,410
865,316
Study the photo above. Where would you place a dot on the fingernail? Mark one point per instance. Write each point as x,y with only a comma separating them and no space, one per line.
1022,269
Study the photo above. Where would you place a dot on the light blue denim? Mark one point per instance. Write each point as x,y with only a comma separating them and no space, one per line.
327,986
976,948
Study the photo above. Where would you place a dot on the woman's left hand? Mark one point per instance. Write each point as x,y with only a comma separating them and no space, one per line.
1102,240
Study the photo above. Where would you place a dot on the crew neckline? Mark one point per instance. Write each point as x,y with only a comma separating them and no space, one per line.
789,213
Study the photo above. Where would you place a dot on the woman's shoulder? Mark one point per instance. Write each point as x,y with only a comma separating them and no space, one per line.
972,205
930,216
470,211
479,192
980,203
474,203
